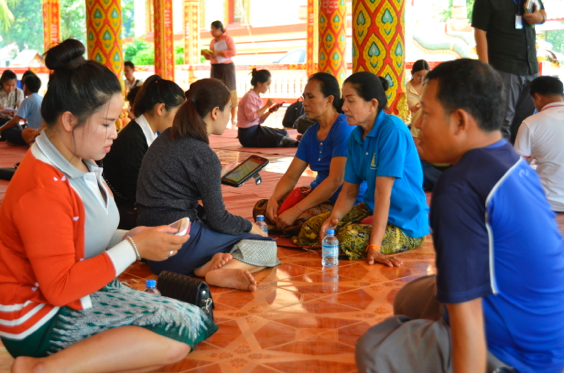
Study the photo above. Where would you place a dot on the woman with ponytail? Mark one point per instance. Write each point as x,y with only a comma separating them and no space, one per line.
252,113
154,108
62,308
179,170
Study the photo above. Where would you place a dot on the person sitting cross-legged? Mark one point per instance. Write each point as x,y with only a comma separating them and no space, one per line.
30,109
541,137
497,301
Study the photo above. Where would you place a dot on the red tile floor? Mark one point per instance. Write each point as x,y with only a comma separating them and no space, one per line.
302,318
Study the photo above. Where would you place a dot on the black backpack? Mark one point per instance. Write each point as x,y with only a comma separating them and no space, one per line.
293,112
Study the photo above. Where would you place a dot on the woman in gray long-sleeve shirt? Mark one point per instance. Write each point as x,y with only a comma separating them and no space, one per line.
181,169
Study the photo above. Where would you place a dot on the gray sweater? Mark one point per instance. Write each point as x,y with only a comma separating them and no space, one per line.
174,175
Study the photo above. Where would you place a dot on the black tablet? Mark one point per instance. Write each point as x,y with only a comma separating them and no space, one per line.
244,171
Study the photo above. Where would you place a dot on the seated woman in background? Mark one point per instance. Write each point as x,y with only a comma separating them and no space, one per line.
382,153
154,109
60,253
414,88
181,169
323,148
10,96
252,113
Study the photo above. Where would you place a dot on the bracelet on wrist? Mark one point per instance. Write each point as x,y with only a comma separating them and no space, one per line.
376,248
299,209
137,255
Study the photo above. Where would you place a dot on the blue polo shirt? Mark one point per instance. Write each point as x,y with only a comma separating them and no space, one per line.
30,109
496,239
389,150
318,154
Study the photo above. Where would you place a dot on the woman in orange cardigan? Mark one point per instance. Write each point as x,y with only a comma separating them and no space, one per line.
61,307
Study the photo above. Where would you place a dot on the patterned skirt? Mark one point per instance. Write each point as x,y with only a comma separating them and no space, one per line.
294,229
116,305
354,237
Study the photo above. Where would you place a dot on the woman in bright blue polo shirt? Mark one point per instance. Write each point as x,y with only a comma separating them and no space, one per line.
323,148
382,153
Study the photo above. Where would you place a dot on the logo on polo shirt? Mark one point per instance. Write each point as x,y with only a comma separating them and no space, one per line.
373,163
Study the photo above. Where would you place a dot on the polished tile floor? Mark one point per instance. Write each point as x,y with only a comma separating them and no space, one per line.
302,318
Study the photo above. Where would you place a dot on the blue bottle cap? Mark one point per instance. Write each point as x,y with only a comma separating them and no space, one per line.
260,217
331,231
150,283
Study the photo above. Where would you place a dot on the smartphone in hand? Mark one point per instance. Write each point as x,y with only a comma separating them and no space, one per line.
275,106
182,225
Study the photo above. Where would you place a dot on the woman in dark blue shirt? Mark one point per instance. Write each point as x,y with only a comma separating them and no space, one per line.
323,148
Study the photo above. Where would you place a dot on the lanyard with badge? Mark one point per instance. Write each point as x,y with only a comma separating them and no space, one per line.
519,15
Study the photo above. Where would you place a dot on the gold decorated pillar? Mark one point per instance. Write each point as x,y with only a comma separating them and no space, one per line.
312,50
51,24
164,42
103,33
191,36
333,38
379,46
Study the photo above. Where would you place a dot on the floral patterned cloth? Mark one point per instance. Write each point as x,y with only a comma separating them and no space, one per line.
354,237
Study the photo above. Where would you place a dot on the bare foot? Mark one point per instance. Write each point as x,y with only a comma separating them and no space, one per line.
232,278
376,257
217,261
24,364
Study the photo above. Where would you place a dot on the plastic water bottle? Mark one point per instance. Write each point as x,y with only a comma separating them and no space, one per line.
330,249
151,287
261,223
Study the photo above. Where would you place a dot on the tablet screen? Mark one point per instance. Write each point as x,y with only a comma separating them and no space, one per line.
244,169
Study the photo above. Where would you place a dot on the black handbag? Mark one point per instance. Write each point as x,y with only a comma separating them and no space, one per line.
186,289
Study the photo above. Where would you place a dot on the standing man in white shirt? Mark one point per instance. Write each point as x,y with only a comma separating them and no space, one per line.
541,137
130,81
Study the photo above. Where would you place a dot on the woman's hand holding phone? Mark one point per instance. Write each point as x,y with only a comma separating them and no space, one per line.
158,243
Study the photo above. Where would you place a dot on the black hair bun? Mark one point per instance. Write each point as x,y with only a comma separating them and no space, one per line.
66,56
385,83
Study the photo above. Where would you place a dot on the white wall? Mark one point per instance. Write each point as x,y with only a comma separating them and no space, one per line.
275,12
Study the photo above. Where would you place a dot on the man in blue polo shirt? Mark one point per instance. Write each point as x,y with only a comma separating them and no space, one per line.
500,264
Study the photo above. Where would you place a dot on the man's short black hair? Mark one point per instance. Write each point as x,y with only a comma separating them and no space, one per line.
32,82
546,86
473,86
130,64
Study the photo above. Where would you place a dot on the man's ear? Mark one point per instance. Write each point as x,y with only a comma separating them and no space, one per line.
461,120
69,121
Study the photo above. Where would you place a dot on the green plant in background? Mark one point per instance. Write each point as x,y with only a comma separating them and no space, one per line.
127,19
6,15
131,49
556,38
26,29
73,20
145,56
446,13
179,54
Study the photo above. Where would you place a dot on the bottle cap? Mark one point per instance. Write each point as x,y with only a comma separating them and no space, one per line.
150,283
260,217
331,231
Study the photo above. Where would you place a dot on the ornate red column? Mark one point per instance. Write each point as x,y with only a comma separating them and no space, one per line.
51,24
312,50
332,38
379,46
164,42
103,33
191,36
